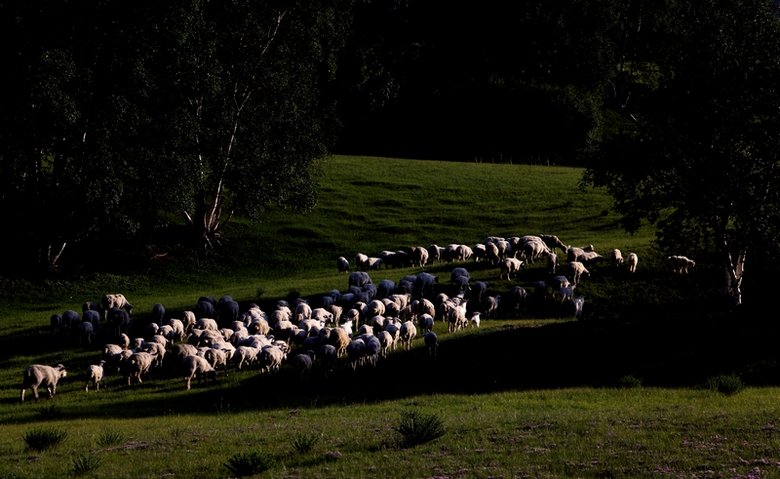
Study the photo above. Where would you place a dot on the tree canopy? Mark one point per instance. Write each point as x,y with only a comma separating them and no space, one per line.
702,160
118,112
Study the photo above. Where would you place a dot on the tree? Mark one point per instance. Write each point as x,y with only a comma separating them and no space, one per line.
123,111
703,162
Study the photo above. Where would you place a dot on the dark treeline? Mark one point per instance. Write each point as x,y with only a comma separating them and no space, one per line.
533,82
124,119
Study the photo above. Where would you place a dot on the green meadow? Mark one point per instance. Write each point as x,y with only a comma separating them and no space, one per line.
624,392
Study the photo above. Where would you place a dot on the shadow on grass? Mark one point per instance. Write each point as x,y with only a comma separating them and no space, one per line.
498,357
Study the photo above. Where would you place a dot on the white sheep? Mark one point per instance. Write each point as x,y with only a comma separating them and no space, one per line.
196,365
407,333
616,257
270,358
419,256
475,319
492,305
342,264
509,266
680,264
552,262
137,365
434,253
39,375
576,270
590,258
633,260
95,374
360,261
425,321
115,301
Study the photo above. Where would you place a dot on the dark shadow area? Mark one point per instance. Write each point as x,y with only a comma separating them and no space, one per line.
496,358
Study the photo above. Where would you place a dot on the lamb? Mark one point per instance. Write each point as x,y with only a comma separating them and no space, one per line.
196,365
633,259
39,375
616,258
680,264
475,319
95,374
509,266
342,264
115,301
567,292
576,270
431,342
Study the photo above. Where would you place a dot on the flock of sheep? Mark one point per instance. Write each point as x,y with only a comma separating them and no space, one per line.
364,323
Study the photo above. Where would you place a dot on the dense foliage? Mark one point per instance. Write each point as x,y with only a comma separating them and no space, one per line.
120,112
702,162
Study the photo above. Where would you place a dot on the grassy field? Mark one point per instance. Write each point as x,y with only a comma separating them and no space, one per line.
533,394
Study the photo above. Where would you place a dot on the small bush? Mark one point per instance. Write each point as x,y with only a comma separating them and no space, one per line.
84,463
247,464
43,438
418,428
110,437
629,381
727,384
51,411
304,442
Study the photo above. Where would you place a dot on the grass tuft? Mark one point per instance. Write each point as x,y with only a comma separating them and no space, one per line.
250,463
304,442
84,463
728,384
42,438
417,428
110,437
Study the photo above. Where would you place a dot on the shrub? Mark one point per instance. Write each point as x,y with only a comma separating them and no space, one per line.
418,428
304,442
110,437
42,438
84,463
247,464
727,384
629,381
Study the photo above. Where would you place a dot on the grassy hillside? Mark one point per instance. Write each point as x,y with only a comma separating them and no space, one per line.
529,393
